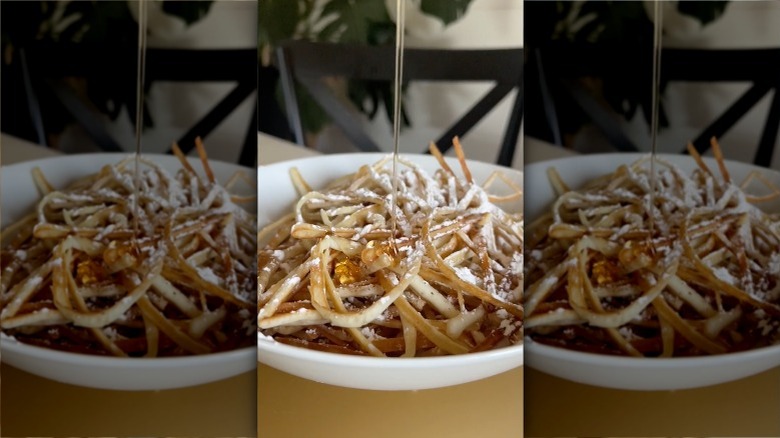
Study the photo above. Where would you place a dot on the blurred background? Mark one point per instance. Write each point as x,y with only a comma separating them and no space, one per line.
347,48
69,75
588,76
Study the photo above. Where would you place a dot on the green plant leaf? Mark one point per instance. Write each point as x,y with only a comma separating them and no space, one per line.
22,21
343,21
447,10
331,31
381,32
278,19
704,11
189,11
80,14
109,21
354,18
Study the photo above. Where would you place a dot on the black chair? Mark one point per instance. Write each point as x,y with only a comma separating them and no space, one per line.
234,65
311,63
274,121
759,67
45,68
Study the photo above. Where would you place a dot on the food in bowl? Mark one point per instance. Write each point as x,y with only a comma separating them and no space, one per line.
333,276
690,269
79,276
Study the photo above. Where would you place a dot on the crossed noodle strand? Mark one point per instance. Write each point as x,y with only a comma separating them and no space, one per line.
707,282
329,280
75,278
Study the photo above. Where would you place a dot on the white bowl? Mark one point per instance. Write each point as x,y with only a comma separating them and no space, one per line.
629,372
276,197
19,195
651,374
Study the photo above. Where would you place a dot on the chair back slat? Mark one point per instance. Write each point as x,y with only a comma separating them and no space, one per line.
759,67
310,63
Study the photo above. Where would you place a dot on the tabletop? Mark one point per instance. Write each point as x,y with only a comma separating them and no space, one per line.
35,406
747,407
292,406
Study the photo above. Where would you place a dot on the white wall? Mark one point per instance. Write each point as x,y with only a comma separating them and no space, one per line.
693,106
434,107
175,107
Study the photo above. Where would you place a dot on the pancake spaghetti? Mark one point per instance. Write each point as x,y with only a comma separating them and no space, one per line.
705,280
76,277
330,280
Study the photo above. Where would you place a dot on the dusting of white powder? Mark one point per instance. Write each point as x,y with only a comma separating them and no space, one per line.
466,275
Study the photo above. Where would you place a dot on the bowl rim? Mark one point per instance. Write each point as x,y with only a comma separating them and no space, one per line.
642,154
266,344
9,345
583,357
379,155
630,157
120,155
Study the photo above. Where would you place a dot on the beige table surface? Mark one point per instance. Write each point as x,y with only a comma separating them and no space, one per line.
557,407
288,406
34,406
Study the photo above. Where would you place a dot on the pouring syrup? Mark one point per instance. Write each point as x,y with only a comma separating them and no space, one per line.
657,32
397,81
139,107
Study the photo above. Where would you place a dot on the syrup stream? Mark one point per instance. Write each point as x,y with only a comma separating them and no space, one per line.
657,32
139,106
397,81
